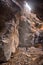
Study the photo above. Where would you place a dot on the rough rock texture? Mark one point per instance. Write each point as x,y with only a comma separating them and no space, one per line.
26,57
8,29
25,32
9,37
38,61
36,7
9,40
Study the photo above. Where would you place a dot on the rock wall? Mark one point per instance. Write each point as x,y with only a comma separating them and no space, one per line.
9,36
25,33
9,40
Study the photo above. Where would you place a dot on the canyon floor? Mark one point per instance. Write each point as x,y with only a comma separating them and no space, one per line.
23,56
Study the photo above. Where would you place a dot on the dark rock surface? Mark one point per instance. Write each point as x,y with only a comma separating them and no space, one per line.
8,29
25,32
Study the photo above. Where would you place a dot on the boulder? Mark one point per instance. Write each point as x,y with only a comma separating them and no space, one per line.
25,33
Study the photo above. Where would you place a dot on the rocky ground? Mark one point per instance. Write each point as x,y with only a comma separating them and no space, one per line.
23,56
